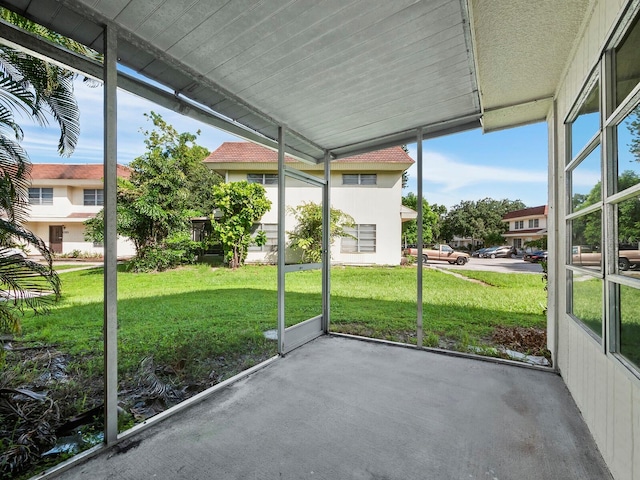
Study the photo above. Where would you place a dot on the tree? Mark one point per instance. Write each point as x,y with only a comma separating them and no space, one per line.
480,220
39,90
169,185
307,234
587,230
238,206
432,217
634,128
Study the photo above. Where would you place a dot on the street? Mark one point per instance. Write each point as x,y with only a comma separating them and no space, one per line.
499,265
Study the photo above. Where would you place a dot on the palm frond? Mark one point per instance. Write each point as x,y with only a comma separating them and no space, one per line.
15,168
63,106
14,96
24,284
52,87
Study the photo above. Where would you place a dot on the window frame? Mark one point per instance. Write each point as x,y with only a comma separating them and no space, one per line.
359,179
612,114
96,196
40,197
269,246
356,231
265,179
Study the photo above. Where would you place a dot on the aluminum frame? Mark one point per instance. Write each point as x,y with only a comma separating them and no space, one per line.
290,338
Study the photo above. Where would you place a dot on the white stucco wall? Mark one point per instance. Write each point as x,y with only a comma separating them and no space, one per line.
378,205
605,390
68,198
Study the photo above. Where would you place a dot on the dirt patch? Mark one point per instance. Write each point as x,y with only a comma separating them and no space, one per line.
528,340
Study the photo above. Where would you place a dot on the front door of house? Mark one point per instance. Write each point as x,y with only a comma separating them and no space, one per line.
55,238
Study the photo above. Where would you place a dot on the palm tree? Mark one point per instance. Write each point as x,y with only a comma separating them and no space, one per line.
39,90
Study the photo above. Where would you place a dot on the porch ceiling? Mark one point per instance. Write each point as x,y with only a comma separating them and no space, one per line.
343,75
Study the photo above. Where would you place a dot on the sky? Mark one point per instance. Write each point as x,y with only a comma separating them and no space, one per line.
508,164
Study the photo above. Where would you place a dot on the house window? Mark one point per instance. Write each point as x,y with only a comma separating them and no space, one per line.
271,232
517,243
93,196
534,223
603,202
362,239
518,225
263,178
41,196
359,179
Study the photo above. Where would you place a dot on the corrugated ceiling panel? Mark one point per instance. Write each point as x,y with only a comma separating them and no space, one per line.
335,71
342,67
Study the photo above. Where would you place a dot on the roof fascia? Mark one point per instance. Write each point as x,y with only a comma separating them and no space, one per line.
408,136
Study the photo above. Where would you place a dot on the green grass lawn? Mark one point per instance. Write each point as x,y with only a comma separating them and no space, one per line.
181,331
198,320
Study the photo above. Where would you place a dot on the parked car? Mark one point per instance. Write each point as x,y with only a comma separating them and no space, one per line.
479,252
439,252
505,251
535,257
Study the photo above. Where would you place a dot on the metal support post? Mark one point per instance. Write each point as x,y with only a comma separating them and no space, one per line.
326,244
419,329
110,322
281,239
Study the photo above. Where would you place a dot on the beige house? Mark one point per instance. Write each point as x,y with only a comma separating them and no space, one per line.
61,198
526,225
368,187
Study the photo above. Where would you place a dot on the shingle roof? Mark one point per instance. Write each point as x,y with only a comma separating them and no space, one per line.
247,152
527,212
60,171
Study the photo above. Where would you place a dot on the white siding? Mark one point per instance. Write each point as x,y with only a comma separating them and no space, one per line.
606,392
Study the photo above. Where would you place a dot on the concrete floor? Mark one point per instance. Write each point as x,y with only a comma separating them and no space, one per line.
340,408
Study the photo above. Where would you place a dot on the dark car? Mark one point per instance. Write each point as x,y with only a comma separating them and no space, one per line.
479,253
504,251
535,257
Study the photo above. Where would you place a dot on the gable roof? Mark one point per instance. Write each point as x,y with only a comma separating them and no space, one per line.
248,152
527,212
65,171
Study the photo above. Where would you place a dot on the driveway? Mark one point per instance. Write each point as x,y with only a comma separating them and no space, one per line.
499,265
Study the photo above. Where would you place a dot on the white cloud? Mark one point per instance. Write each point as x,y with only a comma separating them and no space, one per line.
453,175
448,181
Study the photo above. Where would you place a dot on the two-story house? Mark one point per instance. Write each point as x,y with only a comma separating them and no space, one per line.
368,187
526,225
62,197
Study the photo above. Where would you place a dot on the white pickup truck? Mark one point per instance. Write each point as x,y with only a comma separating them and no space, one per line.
439,252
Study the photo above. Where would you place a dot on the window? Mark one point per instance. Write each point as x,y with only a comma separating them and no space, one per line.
603,202
271,232
93,196
362,239
263,178
518,225
517,243
41,196
359,179
586,301
534,223
587,121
